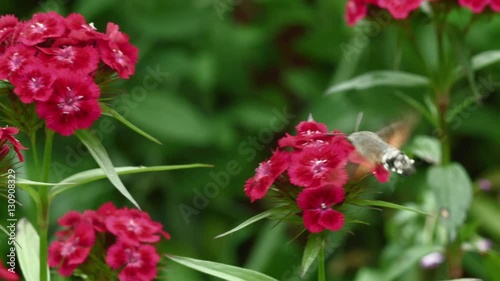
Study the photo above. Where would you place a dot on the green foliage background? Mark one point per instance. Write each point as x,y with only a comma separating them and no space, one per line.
231,66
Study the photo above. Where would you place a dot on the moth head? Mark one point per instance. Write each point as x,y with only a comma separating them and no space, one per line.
397,162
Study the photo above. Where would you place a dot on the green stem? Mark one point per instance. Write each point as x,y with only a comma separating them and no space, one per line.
34,151
43,207
321,263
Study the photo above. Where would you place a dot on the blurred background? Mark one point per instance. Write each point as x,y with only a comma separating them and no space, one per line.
230,78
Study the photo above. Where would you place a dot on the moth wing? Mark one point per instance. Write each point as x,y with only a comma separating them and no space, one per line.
396,134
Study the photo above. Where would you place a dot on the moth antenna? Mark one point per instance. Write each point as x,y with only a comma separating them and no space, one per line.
358,121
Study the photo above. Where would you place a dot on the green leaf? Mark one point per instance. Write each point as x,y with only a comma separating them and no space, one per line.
97,174
464,279
313,246
482,210
380,78
21,181
406,260
378,203
223,271
28,250
453,191
485,59
111,112
427,148
479,61
492,264
252,220
418,106
101,157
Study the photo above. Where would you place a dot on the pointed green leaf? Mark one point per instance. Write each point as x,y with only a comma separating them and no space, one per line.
418,106
223,271
427,148
261,216
313,246
28,250
480,61
380,78
406,260
101,157
378,203
21,181
106,110
97,174
452,188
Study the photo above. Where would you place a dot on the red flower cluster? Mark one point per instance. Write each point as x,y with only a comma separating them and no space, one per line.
131,232
7,135
478,6
317,164
52,61
6,274
399,9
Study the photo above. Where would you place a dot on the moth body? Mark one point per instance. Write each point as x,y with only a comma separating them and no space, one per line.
371,146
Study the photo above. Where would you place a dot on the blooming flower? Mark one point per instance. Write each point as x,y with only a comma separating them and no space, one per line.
265,175
312,167
74,58
476,6
432,260
8,24
117,52
73,104
317,205
137,263
69,254
485,184
400,9
133,227
80,30
6,274
41,27
14,59
7,134
308,132
355,11
33,83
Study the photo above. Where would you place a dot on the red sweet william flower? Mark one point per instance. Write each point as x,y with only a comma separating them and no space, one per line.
265,175
8,25
476,6
307,132
73,104
14,59
117,52
317,205
7,134
495,5
41,27
132,227
6,274
33,83
138,263
74,58
400,9
80,30
313,167
69,254
355,11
